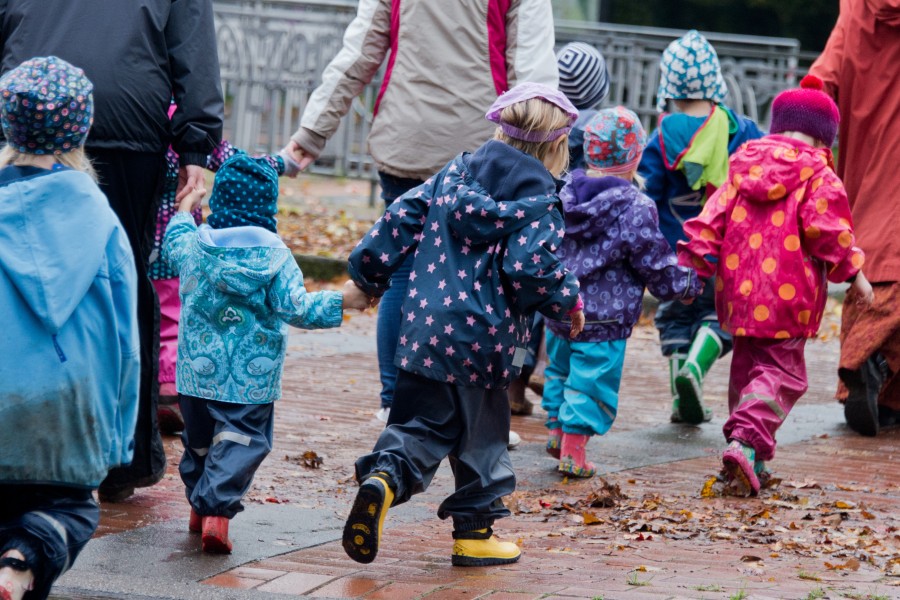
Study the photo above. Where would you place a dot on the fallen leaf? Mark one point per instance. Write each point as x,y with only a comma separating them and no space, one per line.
590,518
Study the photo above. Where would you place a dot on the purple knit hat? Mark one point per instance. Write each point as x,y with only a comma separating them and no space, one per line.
46,106
614,141
806,109
527,91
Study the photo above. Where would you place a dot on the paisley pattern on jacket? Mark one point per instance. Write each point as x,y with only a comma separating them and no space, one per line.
239,286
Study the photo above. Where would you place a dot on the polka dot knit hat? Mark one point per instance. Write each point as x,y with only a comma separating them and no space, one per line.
245,192
614,141
46,106
806,109
689,70
583,77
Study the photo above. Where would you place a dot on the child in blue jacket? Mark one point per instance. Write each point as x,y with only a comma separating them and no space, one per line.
483,232
239,287
614,246
69,350
684,162
165,281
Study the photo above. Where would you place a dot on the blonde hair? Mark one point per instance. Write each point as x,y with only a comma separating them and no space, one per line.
634,176
536,114
75,159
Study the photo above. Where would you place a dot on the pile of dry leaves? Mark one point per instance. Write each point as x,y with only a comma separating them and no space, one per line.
799,518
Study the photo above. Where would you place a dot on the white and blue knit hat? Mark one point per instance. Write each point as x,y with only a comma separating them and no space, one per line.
689,70
583,77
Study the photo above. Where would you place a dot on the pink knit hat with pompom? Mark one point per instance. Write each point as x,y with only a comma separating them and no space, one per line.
806,109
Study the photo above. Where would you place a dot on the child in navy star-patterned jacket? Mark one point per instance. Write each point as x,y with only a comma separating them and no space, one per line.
483,231
614,245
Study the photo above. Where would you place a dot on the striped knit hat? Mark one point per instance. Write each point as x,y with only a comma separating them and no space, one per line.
583,77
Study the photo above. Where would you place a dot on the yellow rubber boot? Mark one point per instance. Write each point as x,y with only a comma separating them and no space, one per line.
485,551
362,532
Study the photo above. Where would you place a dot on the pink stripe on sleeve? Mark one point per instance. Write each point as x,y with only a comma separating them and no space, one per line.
395,34
496,27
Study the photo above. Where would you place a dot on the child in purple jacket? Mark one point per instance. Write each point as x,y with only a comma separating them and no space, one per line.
614,246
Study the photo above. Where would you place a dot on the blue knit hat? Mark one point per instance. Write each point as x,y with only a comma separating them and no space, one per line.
245,192
46,106
689,70
583,77
614,141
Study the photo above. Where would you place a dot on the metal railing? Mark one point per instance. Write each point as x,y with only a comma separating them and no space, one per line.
273,52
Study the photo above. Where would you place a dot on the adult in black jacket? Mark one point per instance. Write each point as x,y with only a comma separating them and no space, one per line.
139,54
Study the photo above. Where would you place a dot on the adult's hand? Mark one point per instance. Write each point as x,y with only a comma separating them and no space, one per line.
300,157
190,177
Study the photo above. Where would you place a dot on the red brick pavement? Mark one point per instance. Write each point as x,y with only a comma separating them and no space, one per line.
328,408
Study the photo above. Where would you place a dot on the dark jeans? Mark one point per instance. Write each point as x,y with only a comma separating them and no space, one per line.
224,444
678,323
389,315
50,525
131,182
431,420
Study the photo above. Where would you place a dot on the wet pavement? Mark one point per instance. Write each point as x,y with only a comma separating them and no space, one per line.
654,538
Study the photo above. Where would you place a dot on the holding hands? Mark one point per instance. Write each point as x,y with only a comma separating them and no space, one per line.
295,159
191,197
356,298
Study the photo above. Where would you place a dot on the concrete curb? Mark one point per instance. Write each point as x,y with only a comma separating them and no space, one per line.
321,268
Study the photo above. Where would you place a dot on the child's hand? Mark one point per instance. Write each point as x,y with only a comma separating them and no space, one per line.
577,323
356,298
192,200
864,292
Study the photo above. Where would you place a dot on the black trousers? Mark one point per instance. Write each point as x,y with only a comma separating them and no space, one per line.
48,524
132,183
224,445
431,420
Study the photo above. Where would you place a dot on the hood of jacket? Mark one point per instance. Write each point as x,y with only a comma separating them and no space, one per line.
775,166
593,203
678,133
54,228
504,190
241,260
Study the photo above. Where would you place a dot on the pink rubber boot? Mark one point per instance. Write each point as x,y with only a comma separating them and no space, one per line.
573,461
554,439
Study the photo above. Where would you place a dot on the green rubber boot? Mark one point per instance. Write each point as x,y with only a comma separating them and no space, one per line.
676,362
705,349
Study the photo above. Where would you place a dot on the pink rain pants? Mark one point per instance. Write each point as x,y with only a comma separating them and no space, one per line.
767,378
169,309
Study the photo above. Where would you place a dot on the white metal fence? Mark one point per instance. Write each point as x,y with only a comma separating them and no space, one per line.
272,54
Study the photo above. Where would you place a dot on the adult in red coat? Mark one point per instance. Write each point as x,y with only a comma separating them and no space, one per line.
860,68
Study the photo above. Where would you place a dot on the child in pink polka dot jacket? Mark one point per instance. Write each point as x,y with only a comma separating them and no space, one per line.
774,234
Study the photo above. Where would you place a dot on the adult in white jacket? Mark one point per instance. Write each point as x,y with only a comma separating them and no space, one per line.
446,64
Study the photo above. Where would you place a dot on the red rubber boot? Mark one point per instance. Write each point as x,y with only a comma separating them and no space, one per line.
215,536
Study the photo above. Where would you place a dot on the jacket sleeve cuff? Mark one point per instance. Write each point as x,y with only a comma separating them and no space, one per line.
847,268
579,305
193,158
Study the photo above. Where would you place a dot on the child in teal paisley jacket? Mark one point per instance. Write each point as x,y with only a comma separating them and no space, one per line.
239,286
